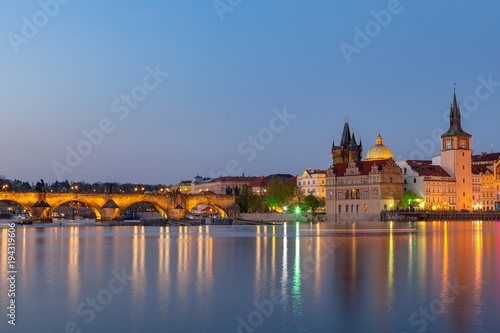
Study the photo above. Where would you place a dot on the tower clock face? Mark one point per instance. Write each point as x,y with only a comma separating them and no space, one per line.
463,144
448,144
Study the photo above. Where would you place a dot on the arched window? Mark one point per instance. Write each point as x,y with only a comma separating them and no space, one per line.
366,208
340,208
352,209
347,208
358,194
347,194
357,209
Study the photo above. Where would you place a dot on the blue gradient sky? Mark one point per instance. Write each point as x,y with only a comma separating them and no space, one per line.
226,77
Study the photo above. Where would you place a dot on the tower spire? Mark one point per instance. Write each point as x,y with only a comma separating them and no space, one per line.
455,118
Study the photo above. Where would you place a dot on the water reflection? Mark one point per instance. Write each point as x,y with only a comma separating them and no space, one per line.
202,278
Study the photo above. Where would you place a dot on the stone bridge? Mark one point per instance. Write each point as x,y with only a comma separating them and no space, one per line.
110,206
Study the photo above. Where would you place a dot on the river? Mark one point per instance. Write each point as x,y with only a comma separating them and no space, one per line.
334,277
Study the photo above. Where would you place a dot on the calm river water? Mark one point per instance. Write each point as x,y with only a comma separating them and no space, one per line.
339,277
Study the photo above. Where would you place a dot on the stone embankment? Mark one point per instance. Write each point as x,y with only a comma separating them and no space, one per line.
441,216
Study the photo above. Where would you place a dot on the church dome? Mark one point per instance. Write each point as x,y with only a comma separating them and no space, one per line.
379,151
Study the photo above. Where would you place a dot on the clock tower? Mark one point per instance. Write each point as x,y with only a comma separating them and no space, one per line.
456,158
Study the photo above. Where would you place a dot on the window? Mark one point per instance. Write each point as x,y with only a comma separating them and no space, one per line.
347,208
414,180
340,209
299,183
339,195
331,194
357,209
366,208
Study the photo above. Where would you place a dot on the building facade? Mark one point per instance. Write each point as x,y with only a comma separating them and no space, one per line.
360,190
312,182
434,187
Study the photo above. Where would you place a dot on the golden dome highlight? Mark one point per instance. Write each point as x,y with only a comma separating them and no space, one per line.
379,151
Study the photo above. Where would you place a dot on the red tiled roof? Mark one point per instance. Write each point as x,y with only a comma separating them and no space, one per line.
292,180
478,169
425,168
260,182
364,167
493,157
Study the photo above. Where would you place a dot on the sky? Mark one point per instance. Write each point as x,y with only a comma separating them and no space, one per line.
160,91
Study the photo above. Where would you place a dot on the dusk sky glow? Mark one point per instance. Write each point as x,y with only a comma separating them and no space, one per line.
232,79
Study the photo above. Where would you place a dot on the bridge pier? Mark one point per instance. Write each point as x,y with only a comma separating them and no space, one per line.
108,214
41,214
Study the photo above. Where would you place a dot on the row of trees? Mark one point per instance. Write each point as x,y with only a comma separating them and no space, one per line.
278,197
67,186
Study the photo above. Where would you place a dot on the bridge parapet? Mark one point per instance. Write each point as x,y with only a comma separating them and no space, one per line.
110,206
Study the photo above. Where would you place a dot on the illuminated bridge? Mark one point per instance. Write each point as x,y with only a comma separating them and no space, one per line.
110,206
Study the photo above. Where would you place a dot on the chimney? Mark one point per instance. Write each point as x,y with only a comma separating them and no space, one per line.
243,175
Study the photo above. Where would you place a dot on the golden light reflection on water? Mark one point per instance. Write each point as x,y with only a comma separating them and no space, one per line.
390,268
164,278
74,283
3,263
183,274
138,271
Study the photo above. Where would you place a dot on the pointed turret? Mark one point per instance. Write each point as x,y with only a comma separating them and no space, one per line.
333,143
455,119
346,136
353,140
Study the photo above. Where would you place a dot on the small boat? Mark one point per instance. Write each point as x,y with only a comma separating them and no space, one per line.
23,219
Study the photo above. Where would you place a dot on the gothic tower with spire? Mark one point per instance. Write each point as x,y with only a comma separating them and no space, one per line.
456,157
348,150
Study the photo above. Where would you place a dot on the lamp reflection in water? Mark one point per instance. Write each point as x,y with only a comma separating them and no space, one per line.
74,283
284,273
390,267
183,274
138,274
3,261
204,273
164,279
297,296
478,262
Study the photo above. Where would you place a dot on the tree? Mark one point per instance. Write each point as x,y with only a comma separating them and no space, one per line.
311,203
409,198
249,201
278,195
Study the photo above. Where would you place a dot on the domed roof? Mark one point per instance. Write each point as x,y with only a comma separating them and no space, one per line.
379,151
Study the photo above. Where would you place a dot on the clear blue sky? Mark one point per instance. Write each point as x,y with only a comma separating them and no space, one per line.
226,77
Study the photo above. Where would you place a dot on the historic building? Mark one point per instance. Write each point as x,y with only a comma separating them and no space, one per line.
490,180
360,190
312,182
220,185
455,180
348,150
456,157
434,187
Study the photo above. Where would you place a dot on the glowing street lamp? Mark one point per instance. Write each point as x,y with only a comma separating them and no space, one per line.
285,208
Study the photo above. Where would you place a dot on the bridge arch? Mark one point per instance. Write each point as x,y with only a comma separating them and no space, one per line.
58,202
17,202
222,212
156,205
